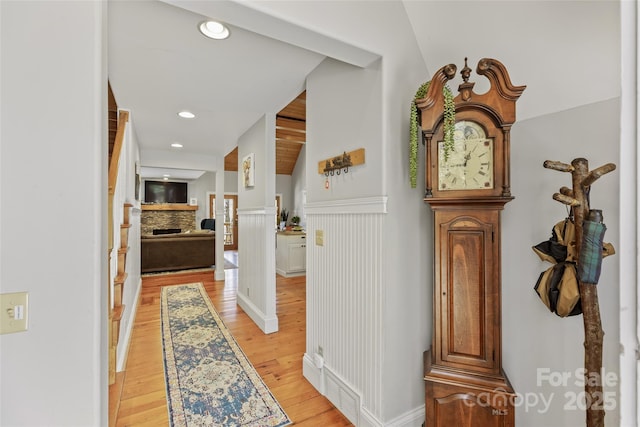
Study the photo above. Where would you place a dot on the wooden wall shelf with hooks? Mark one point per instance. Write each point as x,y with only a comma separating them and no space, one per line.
357,158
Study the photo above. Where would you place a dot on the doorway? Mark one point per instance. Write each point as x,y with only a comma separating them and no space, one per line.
230,220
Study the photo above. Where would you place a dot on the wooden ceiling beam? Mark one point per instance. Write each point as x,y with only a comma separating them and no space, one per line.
296,113
287,123
292,145
290,135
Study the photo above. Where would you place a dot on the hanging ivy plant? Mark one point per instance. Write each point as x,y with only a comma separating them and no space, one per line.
449,125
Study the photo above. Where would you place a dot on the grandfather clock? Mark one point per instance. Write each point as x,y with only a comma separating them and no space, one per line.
467,186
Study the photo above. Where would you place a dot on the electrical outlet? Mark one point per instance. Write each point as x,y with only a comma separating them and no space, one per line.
13,312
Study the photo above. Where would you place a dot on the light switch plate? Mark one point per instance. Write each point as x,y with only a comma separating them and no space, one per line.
13,312
319,237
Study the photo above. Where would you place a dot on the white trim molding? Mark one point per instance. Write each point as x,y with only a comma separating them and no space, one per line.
267,210
338,391
268,324
348,401
126,336
364,205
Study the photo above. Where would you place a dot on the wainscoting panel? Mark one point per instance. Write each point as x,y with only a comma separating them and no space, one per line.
257,274
345,302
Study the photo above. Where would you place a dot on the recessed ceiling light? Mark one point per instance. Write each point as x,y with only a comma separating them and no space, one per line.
176,145
214,30
186,114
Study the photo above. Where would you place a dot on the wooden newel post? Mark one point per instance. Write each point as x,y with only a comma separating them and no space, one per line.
578,199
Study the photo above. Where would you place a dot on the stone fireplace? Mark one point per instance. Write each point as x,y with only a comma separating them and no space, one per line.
167,216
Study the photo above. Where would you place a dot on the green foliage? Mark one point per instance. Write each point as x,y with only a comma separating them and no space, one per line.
449,121
449,125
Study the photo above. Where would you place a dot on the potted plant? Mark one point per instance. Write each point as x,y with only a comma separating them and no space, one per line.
284,215
295,220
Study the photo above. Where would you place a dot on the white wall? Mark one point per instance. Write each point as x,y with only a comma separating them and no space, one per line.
408,233
570,44
354,122
36,364
199,188
259,140
533,338
53,209
256,213
345,294
284,187
299,185
231,182
374,115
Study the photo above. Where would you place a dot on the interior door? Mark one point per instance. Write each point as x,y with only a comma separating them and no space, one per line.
230,221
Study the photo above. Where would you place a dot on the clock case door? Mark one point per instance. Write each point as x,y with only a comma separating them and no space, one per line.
467,284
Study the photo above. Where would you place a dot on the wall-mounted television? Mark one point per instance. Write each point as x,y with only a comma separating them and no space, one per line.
165,192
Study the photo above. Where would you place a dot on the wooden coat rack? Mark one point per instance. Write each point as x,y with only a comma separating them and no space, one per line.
578,199
356,157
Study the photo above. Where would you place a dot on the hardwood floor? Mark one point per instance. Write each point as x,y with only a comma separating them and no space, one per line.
277,357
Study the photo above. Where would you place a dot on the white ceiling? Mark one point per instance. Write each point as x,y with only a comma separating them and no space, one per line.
566,52
160,64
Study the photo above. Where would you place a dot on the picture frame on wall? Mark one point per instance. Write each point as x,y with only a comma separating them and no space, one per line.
136,184
249,170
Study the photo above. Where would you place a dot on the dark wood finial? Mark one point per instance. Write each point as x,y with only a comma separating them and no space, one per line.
466,88
466,71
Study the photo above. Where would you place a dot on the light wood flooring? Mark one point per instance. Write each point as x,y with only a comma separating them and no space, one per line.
277,357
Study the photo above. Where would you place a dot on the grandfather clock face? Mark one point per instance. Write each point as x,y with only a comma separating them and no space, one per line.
469,164
474,166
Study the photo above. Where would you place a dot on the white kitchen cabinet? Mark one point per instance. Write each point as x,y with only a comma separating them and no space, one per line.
291,253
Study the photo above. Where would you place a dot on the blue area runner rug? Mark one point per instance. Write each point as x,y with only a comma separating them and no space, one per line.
210,381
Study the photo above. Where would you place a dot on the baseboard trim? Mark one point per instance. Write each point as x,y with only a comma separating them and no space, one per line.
414,418
268,325
348,401
334,388
343,396
312,374
121,361
367,419
285,274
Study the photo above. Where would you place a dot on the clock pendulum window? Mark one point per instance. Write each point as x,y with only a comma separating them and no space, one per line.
467,187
